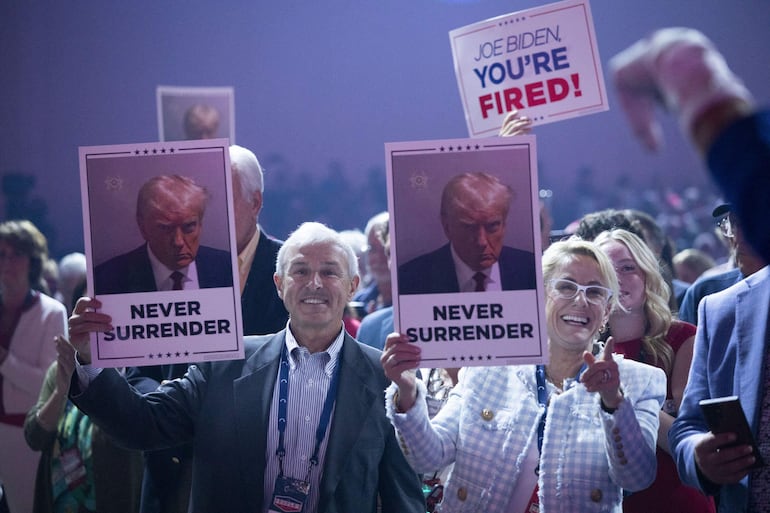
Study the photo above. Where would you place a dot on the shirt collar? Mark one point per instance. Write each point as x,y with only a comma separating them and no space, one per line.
333,351
162,273
465,274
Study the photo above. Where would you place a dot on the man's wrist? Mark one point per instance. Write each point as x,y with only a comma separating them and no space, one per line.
81,359
707,127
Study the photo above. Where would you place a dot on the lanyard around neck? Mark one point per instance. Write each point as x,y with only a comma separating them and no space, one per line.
542,399
283,400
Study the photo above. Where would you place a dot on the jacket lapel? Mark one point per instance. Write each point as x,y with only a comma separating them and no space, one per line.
253,393
751,313
355,397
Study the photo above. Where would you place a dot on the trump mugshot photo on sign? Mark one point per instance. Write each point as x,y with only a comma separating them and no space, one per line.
465,239
159,236
543,62
190,113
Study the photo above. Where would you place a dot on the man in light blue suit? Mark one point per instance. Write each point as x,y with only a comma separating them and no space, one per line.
729,357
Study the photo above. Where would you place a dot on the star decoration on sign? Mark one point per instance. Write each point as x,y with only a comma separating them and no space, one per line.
419,180
511,21
113,183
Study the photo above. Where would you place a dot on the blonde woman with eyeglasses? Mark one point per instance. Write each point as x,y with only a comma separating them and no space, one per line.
568,436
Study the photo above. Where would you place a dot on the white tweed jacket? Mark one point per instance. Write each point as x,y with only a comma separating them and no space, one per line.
588,456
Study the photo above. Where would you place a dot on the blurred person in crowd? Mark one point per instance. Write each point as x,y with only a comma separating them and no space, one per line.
358,242
663,249
378,294
374,329
72,272
691,263
512,432
546,225
592,224
644,330
29,321
80,469
681,67
745,259
356,310
51,279
376,326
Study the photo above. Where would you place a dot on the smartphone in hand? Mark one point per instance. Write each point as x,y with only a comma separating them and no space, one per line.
725,415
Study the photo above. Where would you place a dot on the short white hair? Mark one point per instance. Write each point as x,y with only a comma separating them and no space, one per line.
73,264
245,164
316,233
377,223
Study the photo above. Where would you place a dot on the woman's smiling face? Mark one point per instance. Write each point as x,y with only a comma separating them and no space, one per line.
630,276
574,323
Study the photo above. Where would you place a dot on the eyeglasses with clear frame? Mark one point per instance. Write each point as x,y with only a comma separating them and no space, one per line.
726,226
562,288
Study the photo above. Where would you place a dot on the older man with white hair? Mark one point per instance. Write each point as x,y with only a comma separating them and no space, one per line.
166,486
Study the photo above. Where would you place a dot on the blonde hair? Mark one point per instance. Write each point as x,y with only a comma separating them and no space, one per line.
656,293
563,252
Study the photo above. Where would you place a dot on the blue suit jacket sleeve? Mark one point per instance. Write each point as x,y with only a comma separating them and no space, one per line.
727,360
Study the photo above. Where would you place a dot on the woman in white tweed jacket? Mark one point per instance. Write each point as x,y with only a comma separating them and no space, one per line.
596,438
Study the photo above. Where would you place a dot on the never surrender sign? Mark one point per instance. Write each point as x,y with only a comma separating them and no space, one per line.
543,62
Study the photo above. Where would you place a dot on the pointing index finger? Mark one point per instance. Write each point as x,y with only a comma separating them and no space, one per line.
609,347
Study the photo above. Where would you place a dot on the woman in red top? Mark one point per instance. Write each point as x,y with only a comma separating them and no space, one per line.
645,330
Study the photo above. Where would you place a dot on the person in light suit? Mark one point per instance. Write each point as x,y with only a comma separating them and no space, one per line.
230,410
474,212
569,436
729,358
169,213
